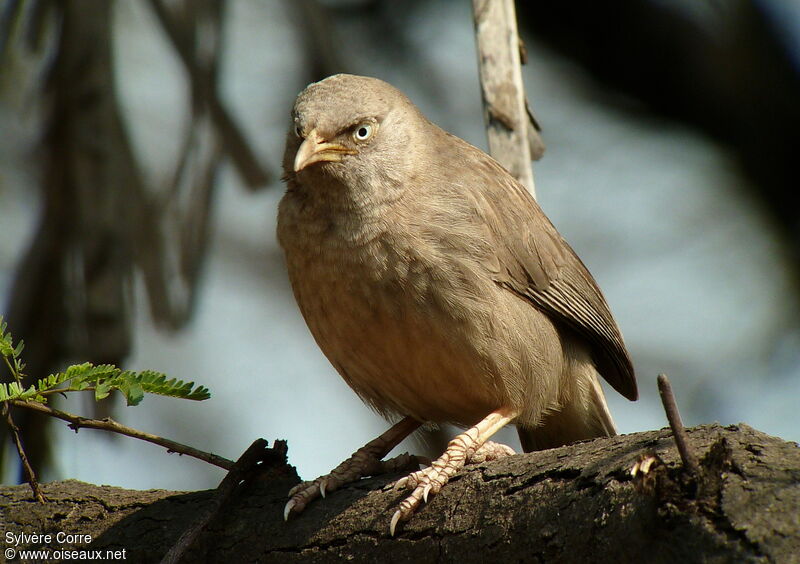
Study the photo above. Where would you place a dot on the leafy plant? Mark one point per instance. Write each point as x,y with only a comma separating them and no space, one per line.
101,379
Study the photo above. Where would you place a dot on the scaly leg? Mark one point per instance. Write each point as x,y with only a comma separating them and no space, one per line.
489,451
366,461
461,449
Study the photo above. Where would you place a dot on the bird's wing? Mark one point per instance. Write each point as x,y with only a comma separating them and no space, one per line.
533,260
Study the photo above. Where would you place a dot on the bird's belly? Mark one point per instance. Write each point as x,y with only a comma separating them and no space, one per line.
393,344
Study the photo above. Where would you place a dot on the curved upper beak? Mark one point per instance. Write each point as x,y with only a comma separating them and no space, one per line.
315,149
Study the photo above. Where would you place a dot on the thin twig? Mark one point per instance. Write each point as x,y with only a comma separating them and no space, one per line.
675,423
30,475
234,143
505,111
77,422
14,372
256,453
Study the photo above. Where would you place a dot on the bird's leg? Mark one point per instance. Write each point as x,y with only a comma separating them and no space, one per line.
459,451
366,461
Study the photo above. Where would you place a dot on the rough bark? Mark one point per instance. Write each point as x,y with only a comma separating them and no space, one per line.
572,504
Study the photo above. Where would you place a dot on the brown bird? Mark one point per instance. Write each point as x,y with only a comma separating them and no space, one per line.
437,287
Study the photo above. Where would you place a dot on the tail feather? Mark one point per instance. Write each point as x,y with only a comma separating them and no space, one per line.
585,416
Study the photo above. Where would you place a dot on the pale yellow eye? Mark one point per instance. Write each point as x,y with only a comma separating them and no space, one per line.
363,132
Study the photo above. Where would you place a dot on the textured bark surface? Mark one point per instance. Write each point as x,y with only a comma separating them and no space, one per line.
509,126
572,504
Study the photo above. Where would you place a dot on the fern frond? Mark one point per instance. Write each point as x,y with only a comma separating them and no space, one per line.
14,391
11,354
102,379
154,382
6,346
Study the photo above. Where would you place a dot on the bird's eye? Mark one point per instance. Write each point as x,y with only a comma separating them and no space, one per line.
298,131
362,132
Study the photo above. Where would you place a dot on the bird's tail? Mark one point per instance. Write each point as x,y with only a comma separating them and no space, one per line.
584,416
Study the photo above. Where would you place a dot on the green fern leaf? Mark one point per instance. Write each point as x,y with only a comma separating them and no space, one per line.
157,383
102,390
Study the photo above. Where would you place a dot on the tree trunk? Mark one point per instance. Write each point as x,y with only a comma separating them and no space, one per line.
577,503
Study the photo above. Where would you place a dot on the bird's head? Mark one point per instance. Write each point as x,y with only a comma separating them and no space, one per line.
351,130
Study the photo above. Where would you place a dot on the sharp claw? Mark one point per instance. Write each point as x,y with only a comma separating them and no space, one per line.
288,509
395,520
426,491
401,483
322,486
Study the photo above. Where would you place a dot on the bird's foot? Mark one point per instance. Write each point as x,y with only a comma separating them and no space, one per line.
490,451
366,461
470,446
486,453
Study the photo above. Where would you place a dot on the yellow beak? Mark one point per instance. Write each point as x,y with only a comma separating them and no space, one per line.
315,149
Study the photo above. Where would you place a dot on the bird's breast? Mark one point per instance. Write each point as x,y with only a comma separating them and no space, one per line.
380,305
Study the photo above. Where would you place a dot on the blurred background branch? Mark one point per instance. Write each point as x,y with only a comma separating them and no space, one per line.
99,223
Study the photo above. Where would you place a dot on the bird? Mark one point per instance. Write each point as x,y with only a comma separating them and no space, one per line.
437,287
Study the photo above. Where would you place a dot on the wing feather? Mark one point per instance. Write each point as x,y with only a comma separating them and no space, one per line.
535,262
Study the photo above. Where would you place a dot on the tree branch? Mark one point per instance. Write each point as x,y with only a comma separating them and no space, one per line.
77,422
245,467
577,503
508,121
